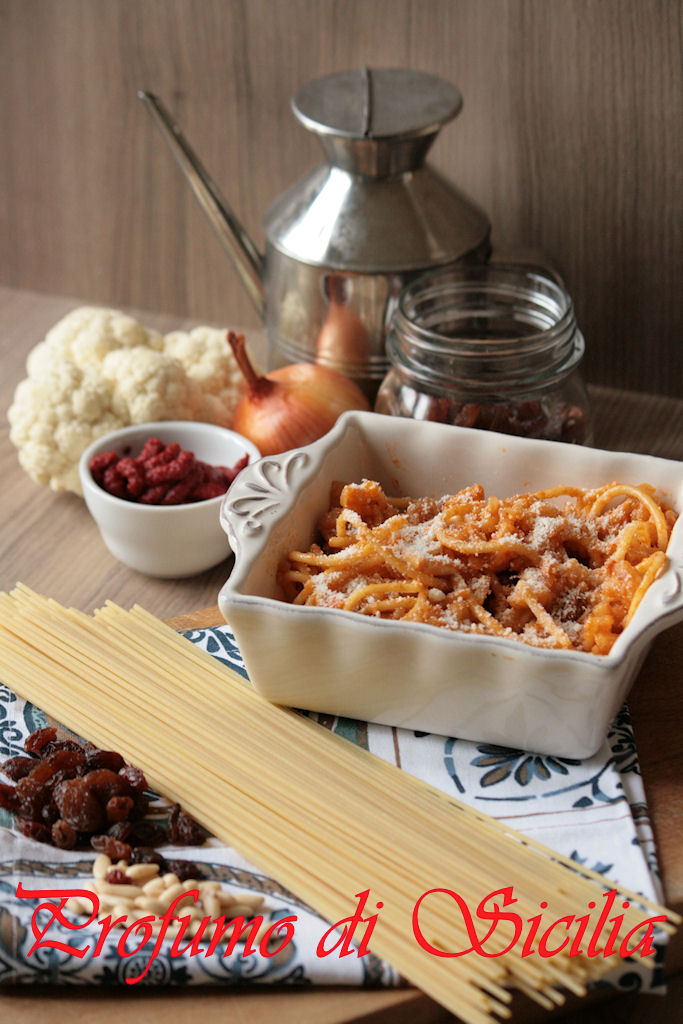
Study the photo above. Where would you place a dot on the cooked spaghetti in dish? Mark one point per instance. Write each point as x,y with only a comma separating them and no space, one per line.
560,568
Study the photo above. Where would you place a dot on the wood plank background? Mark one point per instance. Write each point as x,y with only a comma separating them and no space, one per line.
569,138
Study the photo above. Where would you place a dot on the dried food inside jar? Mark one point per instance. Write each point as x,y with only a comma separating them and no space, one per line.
541,420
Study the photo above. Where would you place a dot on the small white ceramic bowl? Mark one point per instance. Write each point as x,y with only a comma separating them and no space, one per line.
414,675
164,540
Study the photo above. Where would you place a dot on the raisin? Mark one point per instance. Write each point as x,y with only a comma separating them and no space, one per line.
135,778
61,776
38,738
172,826
146,855
16,768
63,835
113,848
105,783
41,771
33,830
184,869
120,830
104,759
146,833
141,806
118,808
54,745
8,797
189,832
32,796
62,761
115,876
78,804
49,813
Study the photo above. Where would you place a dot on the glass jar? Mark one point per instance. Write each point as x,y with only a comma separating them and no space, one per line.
494,347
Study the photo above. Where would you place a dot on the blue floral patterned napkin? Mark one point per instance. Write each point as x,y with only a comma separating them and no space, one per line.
593,811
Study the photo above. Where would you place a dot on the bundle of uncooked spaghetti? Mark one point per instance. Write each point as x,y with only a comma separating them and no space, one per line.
326,818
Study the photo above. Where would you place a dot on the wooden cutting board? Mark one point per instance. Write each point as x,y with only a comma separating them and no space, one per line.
204,618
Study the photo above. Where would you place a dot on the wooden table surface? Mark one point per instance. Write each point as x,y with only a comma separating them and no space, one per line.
49,542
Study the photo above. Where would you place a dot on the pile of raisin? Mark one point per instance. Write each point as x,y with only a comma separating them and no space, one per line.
72,794
162,475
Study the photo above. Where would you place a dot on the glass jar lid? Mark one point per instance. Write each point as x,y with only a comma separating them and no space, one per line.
485,328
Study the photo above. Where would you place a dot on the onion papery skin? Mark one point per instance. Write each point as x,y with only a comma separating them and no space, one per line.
294,406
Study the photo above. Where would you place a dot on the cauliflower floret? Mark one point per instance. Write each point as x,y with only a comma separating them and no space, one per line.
148,385
54,417
207,359
87,334
43,359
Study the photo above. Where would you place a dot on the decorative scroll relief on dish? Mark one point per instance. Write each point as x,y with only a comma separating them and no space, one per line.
674,588
268,482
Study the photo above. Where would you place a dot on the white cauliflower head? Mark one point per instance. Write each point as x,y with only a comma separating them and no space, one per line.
148,385
87,334
54,417
207,359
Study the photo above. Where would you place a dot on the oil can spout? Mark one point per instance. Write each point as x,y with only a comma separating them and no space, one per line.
246,258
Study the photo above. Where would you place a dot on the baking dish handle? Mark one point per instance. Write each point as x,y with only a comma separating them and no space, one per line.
259,493
666,603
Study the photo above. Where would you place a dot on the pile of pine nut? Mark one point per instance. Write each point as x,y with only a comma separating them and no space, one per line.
147,892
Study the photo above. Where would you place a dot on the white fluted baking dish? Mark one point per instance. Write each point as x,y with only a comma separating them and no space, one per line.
414,675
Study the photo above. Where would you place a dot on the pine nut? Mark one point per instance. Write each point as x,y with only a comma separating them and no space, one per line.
212,904
209,887
154,887
121,910
101,866
154,906
184,901
107,902
141,873
125,892
172,891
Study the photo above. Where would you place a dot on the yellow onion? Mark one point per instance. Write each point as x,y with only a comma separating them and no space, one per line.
292,406
343,336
